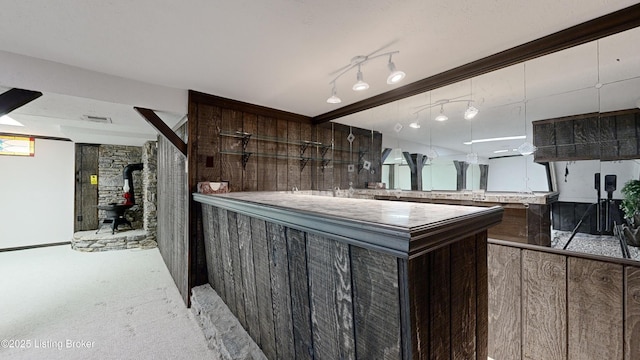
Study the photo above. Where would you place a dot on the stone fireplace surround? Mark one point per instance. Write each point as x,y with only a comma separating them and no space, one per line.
112,160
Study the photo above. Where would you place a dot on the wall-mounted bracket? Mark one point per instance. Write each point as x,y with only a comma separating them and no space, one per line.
245,159
324,149
303,162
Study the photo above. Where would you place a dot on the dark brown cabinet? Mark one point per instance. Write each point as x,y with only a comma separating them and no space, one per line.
593,136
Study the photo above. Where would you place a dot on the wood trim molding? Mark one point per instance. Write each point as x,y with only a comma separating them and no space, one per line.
154,120
597,28
202,98
15,98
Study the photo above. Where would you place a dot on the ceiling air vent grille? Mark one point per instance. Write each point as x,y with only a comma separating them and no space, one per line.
98,119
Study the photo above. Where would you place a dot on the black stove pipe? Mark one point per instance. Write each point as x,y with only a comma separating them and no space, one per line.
128,179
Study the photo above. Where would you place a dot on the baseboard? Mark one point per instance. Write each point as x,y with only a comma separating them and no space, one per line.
34,246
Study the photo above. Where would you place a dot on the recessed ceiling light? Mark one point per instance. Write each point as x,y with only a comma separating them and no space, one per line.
6,120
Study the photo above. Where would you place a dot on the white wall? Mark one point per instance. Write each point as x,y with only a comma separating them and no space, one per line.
579,185
37,195
516,173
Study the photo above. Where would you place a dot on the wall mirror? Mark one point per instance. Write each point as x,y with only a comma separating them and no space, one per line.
597,78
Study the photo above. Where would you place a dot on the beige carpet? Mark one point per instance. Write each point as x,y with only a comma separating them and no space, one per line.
57,303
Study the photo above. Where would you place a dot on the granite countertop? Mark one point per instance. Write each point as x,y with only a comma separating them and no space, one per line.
402,229
476,196
391,213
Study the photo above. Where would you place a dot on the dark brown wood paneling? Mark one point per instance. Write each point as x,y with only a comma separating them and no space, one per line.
325,135
440,311
248,276
263,287
236,266
306,173
282,163
340,174
463,304
231,164
544,306
173,209
538,224
298,277
376,299
632,316
504,302
86,194
595,320
280,290
482,297
204,142
331,298
420,317
267,175
293,153
376,157
250,173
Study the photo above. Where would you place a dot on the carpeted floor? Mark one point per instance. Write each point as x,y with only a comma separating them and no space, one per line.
57,303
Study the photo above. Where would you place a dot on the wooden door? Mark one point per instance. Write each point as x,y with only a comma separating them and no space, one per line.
86,189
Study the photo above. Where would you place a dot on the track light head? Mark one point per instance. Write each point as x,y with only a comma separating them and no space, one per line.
360,85
441,116
396,75
471,112
334,99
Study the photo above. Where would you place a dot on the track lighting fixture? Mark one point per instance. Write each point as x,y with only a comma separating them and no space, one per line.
441,116
334,99
360,85
469,113
395,75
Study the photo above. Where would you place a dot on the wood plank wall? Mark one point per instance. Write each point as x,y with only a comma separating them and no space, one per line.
546,304
300,295
173,205
272,166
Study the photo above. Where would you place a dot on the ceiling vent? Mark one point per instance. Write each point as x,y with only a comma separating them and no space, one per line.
98,119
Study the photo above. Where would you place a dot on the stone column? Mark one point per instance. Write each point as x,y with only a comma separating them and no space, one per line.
150,188
484,175
461,174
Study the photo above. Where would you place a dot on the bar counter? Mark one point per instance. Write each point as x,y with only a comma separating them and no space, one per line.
326,277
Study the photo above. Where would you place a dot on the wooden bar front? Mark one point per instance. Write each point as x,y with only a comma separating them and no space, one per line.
314,277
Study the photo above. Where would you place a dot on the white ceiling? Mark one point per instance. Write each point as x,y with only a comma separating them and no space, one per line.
277,53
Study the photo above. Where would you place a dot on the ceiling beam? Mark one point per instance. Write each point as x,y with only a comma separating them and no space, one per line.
15,98
154,120
585,32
